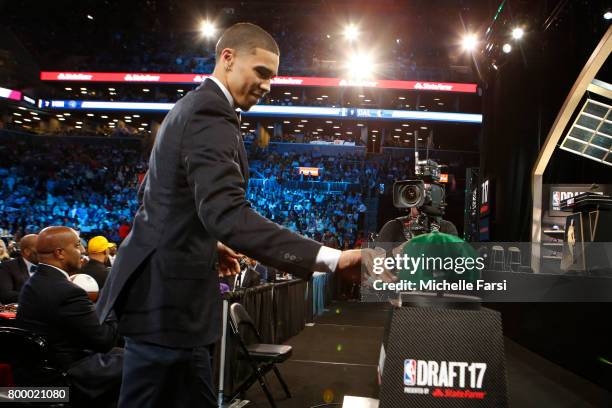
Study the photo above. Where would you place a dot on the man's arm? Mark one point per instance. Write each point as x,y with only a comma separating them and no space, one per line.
80,321
210,147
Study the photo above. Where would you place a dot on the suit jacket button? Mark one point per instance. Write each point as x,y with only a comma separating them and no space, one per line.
292,257
286,256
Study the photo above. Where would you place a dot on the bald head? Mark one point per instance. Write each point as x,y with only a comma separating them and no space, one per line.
27,245
60,247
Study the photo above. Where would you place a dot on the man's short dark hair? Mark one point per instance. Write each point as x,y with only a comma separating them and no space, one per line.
246,37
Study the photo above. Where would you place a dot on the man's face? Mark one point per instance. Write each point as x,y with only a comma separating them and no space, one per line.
30,254
250,76
71,254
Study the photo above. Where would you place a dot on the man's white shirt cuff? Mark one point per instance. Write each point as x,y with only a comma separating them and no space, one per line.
327,259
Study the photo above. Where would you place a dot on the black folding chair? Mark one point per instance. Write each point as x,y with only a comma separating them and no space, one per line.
261,357
27,353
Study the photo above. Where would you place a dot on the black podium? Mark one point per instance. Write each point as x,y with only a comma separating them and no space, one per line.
442,351
588,232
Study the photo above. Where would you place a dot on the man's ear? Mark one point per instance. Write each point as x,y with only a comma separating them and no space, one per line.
227,56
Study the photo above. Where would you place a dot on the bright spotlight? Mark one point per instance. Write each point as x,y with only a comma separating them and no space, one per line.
469,42
608,15
207,29
517,33
507,48
351,32
360,66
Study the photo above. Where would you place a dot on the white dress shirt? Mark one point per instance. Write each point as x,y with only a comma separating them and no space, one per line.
29,265
327,258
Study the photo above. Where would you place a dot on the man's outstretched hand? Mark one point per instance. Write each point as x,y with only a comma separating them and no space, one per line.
350,261
228,260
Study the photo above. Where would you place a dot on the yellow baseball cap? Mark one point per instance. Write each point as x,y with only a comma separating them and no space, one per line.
98,245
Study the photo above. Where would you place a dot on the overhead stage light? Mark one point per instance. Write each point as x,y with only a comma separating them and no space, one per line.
351,32
360,66
207,29
507,48
518,33
469,42
608,15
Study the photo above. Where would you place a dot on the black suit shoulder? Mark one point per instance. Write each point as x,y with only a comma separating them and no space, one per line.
205,103
13,274
44,295
209,113
13,265
51,305
213,100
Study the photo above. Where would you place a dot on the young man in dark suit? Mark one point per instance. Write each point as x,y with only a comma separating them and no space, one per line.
164,284
15,272
51,305
247,278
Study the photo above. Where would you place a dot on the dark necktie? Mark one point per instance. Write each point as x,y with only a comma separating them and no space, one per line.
33,269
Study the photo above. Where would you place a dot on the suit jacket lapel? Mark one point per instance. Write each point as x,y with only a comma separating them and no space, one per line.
242,155
244,163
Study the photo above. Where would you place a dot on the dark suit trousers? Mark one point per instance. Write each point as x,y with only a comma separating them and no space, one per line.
156,376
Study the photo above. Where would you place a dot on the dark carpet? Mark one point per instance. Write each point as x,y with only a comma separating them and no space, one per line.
339,355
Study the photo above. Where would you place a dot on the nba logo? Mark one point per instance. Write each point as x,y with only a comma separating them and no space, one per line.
410,372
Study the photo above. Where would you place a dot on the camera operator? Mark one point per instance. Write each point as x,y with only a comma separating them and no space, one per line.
424,198
395,230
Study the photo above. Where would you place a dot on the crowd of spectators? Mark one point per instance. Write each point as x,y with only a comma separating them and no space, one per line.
336,219
92,188
89,129
351,168
310,137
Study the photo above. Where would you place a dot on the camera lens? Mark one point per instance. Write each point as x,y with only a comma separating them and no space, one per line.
411,195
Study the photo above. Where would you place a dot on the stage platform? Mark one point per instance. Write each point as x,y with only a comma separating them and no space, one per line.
339,355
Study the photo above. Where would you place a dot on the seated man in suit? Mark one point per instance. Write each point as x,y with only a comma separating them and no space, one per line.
15,272
98,252
51,305
247,278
